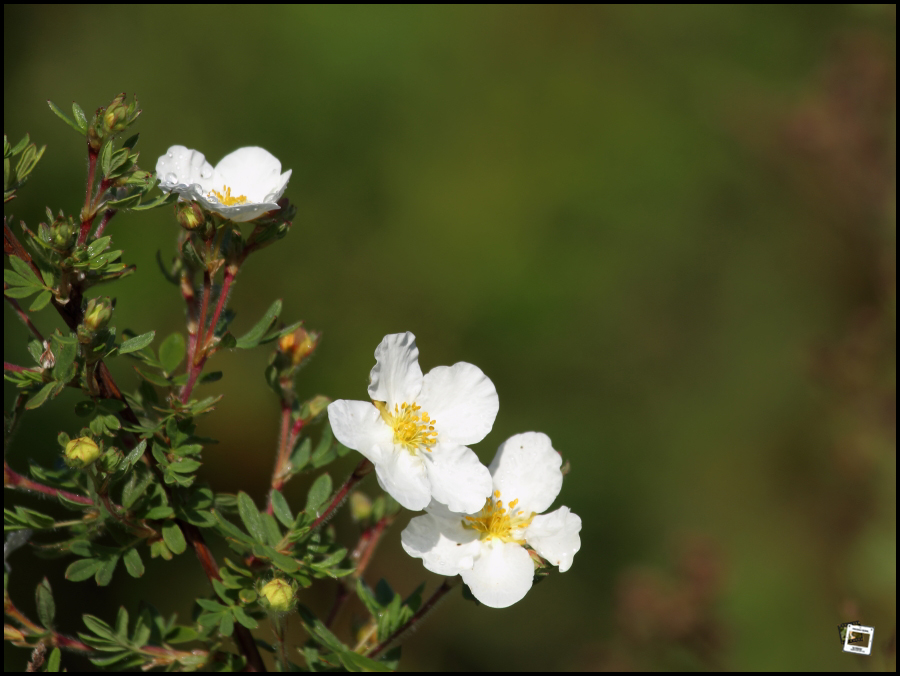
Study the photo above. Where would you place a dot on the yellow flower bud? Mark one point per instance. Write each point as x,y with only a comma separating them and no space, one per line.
82,452
98,313
278,594
298,345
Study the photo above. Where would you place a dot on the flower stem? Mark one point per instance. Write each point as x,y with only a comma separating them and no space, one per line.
107,217
284,449
87,218
448,584
361,470
16,368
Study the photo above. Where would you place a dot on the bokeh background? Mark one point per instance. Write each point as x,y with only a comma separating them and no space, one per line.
666,234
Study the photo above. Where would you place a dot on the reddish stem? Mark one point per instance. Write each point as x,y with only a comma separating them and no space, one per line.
361,470
12,479
24,317
87,218
283,452
429,605
107,217
17,369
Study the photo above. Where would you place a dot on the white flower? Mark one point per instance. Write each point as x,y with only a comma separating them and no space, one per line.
243,186
487,548
416,431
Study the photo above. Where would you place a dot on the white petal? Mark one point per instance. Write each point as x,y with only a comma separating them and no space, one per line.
358,425
396,377
238,213
403,476
462,400
445,547
555,537
527,469
458,479
502,575
252,172
181,169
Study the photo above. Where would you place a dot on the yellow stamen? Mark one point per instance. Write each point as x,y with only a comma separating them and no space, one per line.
411,429
493,521
227,199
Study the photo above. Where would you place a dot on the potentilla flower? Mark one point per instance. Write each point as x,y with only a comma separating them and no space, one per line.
242,186
416,429
487,547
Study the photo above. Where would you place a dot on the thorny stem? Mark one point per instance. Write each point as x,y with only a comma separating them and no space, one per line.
361,470
26,320
448,584
72,315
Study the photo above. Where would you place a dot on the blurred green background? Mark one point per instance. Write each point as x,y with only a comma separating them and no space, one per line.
666,234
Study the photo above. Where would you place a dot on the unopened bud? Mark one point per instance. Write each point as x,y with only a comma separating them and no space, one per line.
298,345
190,216
278,595
98,313
82,452
114,118
62,235
360,506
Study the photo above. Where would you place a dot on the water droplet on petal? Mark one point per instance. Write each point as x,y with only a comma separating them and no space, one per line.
270,197
170,155
206,172
212,199
171,179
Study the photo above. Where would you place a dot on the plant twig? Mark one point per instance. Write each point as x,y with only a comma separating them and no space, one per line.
12,479
361,470
26,320
448,584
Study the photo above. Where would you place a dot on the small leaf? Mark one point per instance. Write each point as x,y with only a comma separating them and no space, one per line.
105,158
40,302
80,118
125,202
211,606
46,609
98,246
53,661
41,396
137,343
174,538
82,569
281,509
301,455
122,623
318,493
244,618
104,575
133,563
62,116
162,200
20,146
250,516
171,352
25,271
131,142
255,335
18,291
226,624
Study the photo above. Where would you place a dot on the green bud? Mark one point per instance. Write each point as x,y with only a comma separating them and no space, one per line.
360,506
277,595
63,234
98,313
82,452
115,117
190,216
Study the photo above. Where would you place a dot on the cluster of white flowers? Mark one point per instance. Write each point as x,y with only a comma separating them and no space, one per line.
478,520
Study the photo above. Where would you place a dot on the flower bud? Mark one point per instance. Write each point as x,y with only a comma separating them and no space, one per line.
360,506
82,452
190,216
98,313
278,595
115,116
298,345
62,234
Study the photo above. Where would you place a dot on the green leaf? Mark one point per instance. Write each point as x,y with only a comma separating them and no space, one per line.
18,291
40,302
65,348
137,343
226,624
53,661
185,466
62,116
244,618
301,456
104,574
255,335
131,142
20,146
105,158
250,516
162,200
25,271
281,509
46,609
41,396
98,246
230,530
210,377
211,606
355,662
318,493
122,623
171,352
133,563
324,452
99,627
82,569
125,202
174,538
80,118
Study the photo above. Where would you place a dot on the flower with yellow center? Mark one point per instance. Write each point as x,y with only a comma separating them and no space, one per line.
487,548
417,428
241,187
